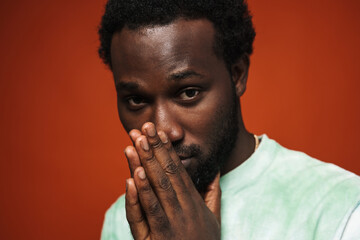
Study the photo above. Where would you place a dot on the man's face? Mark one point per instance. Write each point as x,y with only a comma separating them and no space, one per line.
170,75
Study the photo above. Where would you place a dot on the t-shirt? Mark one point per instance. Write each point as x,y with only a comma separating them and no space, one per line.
276,194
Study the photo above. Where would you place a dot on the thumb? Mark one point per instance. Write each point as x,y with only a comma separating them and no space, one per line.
212,197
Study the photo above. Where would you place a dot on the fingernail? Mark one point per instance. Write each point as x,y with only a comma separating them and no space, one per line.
163,137
144,144
141,174
150,130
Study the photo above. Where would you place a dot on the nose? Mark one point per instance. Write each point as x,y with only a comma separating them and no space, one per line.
165,119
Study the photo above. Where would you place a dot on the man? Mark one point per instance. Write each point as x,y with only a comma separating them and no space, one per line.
179,69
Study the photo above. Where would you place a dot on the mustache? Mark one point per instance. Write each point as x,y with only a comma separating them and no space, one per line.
187,150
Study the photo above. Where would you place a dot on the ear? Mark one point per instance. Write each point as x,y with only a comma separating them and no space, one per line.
239,74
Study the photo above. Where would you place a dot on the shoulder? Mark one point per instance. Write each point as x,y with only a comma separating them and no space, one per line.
115,224
327,193
300,169
296,194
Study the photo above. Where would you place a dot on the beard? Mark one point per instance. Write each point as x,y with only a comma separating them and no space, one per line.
221,141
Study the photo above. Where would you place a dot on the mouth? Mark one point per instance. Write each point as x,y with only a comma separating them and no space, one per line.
186,160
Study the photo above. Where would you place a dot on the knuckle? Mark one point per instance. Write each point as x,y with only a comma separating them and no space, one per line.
145,189
171,167
176,208
154,209
163,225
165,184
156,143
149,157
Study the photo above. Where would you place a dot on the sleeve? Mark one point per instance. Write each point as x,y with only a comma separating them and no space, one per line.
106,233
352,228
115,225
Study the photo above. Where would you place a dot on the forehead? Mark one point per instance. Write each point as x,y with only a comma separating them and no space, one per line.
180,44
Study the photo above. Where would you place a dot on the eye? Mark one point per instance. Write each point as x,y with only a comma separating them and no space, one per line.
189,94
135,102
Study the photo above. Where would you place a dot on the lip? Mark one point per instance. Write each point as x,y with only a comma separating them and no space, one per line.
186,161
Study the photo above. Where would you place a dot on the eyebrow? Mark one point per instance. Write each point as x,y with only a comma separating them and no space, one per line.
183,75
126,86
129,86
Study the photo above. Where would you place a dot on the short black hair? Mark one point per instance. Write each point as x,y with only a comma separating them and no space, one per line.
231,19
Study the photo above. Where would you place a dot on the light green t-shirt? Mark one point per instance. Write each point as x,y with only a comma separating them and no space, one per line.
275,194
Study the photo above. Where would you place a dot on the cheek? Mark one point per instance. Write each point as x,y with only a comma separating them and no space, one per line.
200,123
131,120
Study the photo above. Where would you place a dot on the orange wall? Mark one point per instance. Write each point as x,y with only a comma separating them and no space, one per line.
61,143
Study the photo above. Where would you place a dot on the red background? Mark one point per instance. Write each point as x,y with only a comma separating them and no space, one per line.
61,143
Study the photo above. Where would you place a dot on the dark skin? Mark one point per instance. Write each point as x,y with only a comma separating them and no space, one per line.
170,85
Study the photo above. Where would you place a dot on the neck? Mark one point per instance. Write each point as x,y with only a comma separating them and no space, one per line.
243,149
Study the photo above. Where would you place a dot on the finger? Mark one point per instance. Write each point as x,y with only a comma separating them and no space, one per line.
180,167
132,158
134,215
163,156
154,212
212,197
134,134
157,177
159,149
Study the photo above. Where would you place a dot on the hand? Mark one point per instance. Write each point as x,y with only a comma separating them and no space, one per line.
161,199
